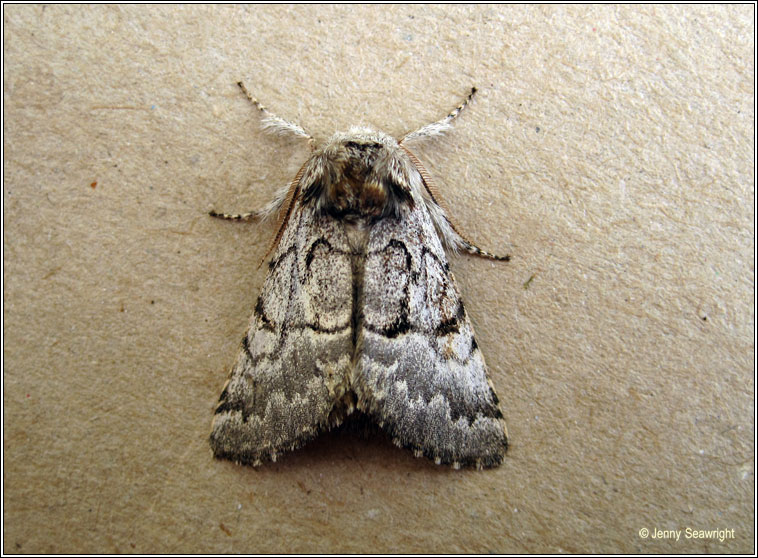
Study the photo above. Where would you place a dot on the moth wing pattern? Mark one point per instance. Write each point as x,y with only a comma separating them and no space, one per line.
293,366
420,373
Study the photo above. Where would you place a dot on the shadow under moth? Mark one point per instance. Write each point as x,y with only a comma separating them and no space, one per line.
360,311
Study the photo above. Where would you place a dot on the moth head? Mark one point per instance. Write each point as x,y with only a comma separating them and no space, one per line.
360,173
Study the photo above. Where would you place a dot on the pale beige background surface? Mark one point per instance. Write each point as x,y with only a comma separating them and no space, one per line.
610,150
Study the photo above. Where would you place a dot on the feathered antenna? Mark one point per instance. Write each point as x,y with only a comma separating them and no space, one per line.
441,126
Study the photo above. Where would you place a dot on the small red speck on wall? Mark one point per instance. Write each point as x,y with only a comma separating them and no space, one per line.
94,185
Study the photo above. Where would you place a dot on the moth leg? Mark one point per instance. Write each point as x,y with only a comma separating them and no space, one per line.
238,216
442,218
282,204
276,124
436,128
267,210
474,250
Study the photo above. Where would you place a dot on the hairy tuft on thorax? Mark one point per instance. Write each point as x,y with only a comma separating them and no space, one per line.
361,174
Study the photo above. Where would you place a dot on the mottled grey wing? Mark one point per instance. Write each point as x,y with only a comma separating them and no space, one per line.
420,374
295,358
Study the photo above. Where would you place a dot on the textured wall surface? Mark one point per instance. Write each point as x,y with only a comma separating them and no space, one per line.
609,150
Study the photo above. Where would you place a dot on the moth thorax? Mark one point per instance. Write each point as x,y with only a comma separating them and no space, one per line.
363,185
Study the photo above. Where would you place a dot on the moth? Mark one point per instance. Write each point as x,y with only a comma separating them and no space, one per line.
360,312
